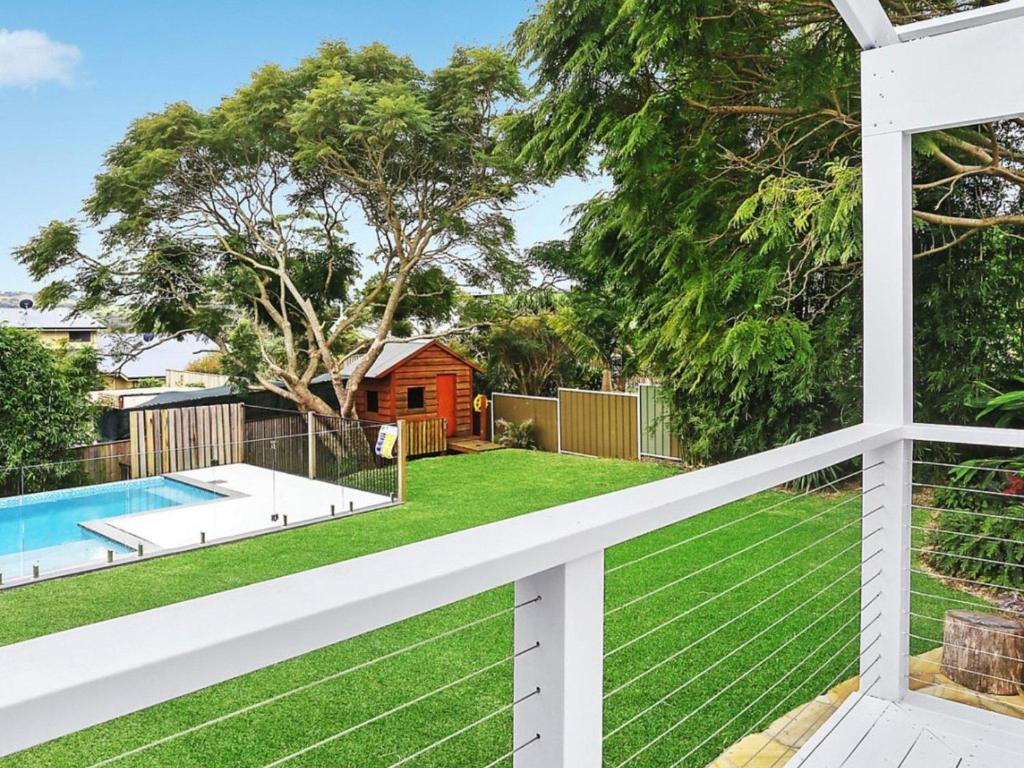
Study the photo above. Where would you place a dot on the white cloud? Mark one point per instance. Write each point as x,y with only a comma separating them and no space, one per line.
28,58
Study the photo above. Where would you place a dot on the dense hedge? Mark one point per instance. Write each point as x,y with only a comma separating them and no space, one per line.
980,536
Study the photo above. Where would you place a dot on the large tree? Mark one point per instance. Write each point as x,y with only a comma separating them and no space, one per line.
231,222
730,131
44,410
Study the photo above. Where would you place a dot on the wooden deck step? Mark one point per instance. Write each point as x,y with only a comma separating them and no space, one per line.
472,445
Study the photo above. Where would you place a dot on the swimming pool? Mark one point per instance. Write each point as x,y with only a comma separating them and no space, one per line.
43,528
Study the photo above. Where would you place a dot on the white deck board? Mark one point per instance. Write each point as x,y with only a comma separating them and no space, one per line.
867,732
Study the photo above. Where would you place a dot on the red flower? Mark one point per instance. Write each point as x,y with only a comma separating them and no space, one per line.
1015,487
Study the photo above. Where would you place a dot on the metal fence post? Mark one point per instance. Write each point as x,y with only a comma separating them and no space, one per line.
567,667
311,444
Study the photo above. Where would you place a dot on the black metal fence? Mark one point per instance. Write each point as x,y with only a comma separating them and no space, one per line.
344,450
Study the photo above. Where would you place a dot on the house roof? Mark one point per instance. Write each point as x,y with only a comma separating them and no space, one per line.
47,320
393,355
173,354
189,397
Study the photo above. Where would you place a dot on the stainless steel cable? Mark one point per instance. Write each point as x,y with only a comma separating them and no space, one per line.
743,551
929,596
940,621
968,466
401,707
744,582
465,729
751,609
967,581
742,677
842,717
968,512
940,553
982,536
979,491
513,751
717,663
843,673
745,709
739,520
308,686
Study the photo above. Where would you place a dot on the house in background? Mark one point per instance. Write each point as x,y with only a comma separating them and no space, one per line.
53,326
124,368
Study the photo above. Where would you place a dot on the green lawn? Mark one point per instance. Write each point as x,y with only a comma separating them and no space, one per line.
784,603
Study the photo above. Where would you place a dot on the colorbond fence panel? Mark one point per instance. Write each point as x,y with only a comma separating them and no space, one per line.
543,411
176,439
602,424
656,436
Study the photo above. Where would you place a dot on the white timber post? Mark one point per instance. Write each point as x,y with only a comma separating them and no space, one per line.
888,399
567,667
311,443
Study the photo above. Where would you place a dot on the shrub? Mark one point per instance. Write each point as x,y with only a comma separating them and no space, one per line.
980,536
209,363
517,434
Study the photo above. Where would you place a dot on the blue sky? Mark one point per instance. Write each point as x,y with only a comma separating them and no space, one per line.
73,75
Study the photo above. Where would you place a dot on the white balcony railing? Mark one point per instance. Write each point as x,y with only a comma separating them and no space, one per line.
564,634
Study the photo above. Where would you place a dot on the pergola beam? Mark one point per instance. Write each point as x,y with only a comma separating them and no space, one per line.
868,21
955,22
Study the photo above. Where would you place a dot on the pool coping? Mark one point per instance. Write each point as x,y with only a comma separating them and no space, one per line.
130,558
103,526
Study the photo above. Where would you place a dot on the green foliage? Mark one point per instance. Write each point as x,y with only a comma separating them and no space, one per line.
232,222
517,434
981,536
730,134
208,363
523,347
44,410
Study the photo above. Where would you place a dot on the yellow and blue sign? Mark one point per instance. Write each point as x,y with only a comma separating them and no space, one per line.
387,439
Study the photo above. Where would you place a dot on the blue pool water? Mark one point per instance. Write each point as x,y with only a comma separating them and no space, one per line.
48,522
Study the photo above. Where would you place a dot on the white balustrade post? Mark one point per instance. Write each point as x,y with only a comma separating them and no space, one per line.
888,400
568,667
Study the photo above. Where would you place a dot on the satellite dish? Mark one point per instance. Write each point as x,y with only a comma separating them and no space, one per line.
148,337
26,304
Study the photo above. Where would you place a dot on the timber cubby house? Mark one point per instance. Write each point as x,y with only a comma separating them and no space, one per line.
416,381
962,69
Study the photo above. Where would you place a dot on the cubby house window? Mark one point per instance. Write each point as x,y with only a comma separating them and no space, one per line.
414,398
372,401
80,336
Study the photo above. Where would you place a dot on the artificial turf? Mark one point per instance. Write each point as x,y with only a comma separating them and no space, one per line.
740,626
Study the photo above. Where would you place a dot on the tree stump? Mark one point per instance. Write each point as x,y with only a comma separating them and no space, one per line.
983,652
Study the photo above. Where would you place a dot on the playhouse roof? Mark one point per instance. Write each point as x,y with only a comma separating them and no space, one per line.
394,354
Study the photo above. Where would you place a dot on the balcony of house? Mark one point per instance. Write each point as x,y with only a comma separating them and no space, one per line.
799,607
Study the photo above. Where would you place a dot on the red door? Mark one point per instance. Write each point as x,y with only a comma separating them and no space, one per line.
446,400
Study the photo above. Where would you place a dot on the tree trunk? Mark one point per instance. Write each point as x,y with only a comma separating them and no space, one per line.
983,652
606,379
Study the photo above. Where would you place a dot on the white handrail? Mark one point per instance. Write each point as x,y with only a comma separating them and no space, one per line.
61,683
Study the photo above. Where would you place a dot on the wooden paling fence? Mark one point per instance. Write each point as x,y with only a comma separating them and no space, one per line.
619,425
105,462
425,436
177,439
